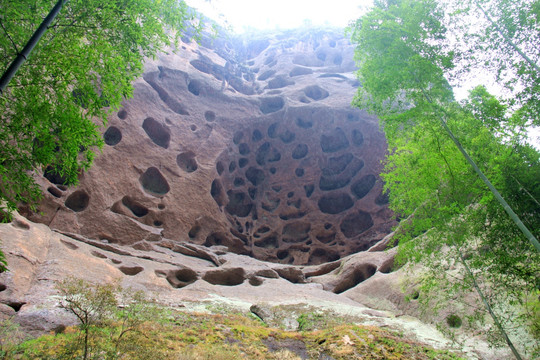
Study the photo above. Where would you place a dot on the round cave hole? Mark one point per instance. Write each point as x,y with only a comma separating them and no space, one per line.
153,182
186,161
112,136
78,201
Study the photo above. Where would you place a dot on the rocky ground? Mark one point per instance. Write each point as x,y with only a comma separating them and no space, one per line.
237,175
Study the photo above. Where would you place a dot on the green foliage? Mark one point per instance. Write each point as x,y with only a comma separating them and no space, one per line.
405,53
310,321
80,71
10,336
233,336
110,318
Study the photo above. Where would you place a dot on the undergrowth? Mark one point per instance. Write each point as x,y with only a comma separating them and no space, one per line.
188,336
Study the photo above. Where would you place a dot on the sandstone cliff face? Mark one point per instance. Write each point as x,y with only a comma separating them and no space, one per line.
247,143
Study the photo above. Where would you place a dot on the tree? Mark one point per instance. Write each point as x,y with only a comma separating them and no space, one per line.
91,304
406,55
78,74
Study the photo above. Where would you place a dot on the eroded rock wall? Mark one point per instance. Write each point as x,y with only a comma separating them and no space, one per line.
249,143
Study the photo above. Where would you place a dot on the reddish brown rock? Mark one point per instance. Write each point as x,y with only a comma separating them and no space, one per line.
248,144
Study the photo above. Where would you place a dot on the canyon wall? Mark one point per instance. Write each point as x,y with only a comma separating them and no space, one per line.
245,142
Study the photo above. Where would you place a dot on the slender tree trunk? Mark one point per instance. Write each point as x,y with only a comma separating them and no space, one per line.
25,53
488,307
506,38
486,181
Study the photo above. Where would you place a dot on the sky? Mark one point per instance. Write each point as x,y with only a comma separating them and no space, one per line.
242,15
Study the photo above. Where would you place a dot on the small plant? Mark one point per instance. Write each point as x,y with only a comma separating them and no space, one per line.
310,321
10,336
454,321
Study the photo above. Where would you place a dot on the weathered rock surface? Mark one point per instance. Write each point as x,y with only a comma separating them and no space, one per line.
248,143
39,257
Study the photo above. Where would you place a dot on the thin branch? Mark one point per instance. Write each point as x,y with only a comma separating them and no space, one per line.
506,38
9,37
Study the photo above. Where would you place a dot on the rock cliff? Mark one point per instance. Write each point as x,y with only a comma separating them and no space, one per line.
249,142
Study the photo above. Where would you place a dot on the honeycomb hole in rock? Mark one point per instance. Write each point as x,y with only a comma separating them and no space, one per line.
389,266
267,153
252,193
326,237
186,161
194,231
357,137
255,281
332,43
69,245
195,87
227,277
210,116
287,137
131,270
54,177
338,59
112,136
273,130
279,82
336,165
21,224
321,256
122,114
243,162
308,189
256,135
15,305
296,231
268,242
232,166
180,278
299,172
321,55
360,273
300,70
153,182
300,151
271,104
216,190
273,170
157,132
335,203
237,137
255,176
161,206
382,199
116,261
316,92
282,254
363,186
158,223
137,209
219,167
98,254
356,223
193,127
2,287
239,182
304,124
334,141
243,149
290,194
239,203
54,191
78,201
